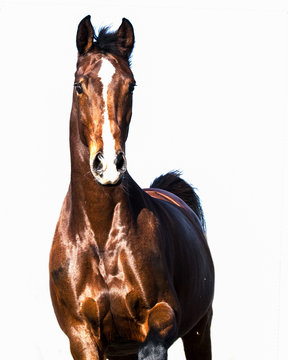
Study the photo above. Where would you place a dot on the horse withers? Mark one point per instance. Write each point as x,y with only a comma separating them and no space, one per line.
130,269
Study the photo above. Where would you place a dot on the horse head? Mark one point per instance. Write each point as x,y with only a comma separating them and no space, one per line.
103,90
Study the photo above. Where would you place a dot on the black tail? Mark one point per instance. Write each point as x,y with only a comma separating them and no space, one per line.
173,183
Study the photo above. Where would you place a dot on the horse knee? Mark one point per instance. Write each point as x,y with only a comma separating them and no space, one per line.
162,322
162,331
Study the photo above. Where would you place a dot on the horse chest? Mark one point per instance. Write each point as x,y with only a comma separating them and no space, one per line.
114,299
109,285
120,268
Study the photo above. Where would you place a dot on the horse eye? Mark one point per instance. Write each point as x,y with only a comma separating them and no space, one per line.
78,87
131,87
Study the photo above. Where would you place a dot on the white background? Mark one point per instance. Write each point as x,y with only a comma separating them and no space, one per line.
211,100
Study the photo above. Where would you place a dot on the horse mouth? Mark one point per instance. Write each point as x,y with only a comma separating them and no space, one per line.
110,184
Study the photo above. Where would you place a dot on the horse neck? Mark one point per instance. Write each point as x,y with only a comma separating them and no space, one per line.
93,205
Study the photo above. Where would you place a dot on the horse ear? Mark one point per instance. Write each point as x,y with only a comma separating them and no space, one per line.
125,38
85,35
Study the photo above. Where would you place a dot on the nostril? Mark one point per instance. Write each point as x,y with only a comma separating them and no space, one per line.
98,163
120,162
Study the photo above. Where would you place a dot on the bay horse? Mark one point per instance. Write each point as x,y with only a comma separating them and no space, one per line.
130,269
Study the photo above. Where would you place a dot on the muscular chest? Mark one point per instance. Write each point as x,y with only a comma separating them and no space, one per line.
114,296
111,287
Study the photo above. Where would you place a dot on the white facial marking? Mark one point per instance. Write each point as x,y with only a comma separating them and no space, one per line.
110,174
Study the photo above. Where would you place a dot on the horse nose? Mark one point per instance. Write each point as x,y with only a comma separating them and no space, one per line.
120,162
108,170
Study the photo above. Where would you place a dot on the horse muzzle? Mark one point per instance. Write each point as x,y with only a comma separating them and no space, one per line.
108,171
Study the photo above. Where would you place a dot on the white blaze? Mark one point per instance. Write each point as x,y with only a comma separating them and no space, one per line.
110,174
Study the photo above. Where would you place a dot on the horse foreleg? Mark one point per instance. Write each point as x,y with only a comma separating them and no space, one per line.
197,342
162,330
82,343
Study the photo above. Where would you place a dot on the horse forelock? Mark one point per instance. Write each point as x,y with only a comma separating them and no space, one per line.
107,41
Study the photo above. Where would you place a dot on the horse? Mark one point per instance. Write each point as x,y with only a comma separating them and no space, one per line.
130,268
